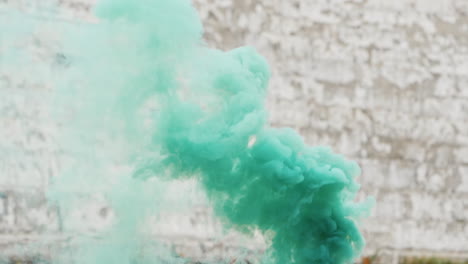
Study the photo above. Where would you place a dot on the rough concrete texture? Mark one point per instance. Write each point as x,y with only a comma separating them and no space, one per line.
383,82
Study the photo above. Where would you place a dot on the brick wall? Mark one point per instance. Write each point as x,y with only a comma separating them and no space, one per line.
383,82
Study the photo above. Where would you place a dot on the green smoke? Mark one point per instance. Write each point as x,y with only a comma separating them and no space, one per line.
169,106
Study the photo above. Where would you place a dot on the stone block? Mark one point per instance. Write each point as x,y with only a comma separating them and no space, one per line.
441,156
401,175
461,155
462,175
26,211
411,151
374,173
7,214
391,206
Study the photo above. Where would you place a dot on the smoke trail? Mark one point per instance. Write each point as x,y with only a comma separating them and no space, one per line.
210,124
144,79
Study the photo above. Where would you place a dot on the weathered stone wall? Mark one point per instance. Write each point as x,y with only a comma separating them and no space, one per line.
383,82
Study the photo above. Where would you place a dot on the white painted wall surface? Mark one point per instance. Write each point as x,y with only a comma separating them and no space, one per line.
383,82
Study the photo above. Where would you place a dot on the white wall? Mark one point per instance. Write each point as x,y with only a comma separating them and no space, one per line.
383,82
